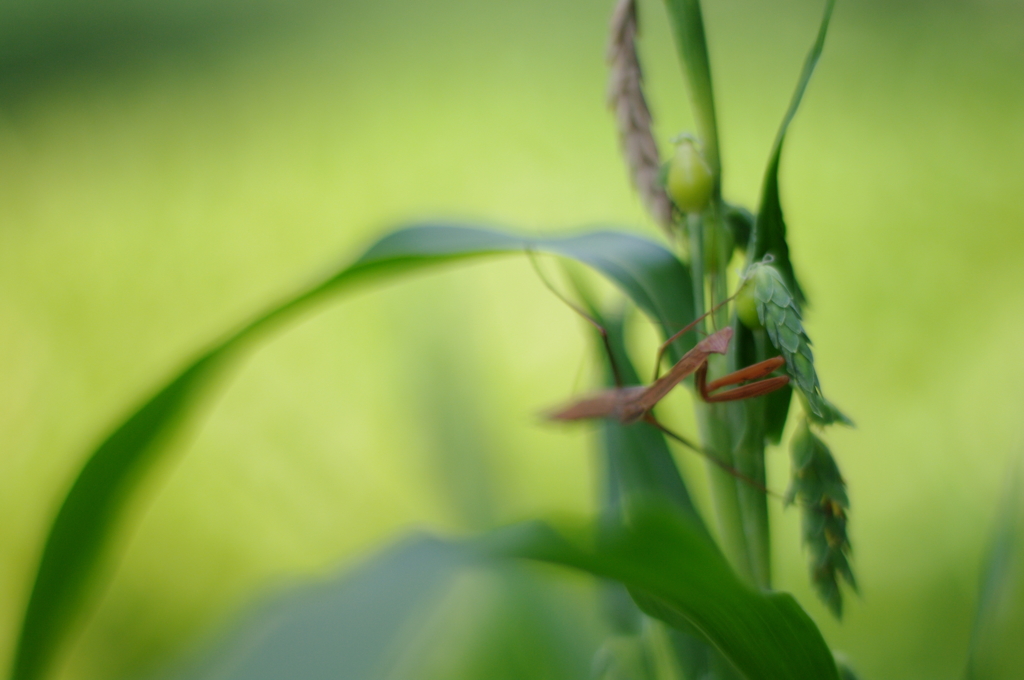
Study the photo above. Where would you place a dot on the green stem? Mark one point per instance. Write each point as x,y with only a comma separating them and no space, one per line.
716,434
695,232
749,460
744,421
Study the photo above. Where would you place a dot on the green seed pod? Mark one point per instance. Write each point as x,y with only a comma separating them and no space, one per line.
746,307
689,181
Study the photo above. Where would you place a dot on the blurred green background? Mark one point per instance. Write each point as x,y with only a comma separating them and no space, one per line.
169,168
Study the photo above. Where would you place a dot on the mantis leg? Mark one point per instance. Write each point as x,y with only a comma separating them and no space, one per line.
651,420
754,389
579,310
688,327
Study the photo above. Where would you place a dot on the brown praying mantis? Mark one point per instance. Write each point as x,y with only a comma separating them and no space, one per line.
634,403
630,404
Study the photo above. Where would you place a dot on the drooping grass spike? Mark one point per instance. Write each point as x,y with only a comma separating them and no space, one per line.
821,490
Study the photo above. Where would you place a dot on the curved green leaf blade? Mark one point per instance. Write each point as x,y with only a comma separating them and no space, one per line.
676,573
421,609
342,627
83,525
80,531
770,228
688,28
996,650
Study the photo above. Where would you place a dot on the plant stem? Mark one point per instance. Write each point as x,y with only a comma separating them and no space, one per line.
750,461
716,434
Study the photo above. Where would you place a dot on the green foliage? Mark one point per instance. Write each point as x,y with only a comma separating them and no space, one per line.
652,541
346,626
638,470
995,650
423,609
677,574
741,222
85,524
769,235
696,601
637,465
765,235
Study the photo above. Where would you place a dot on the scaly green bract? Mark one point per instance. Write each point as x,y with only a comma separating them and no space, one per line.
779,314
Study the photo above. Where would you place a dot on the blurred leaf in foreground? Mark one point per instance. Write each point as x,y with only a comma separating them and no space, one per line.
423,609
997,641
88,516
341,628
677,574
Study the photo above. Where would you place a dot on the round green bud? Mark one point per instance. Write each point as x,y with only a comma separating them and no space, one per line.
746,306
689,181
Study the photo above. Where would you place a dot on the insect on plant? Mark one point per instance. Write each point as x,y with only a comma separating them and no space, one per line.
629,404
632,404
709,591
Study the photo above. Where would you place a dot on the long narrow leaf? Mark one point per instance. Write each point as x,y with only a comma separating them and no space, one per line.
770,228
678,574
90,510
996,650
388,618
344,627
688,28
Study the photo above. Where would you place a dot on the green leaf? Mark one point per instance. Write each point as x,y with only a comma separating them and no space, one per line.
346,626
84,525
996,650
677,574
740,222
688,28
624,657
769,235
423,609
